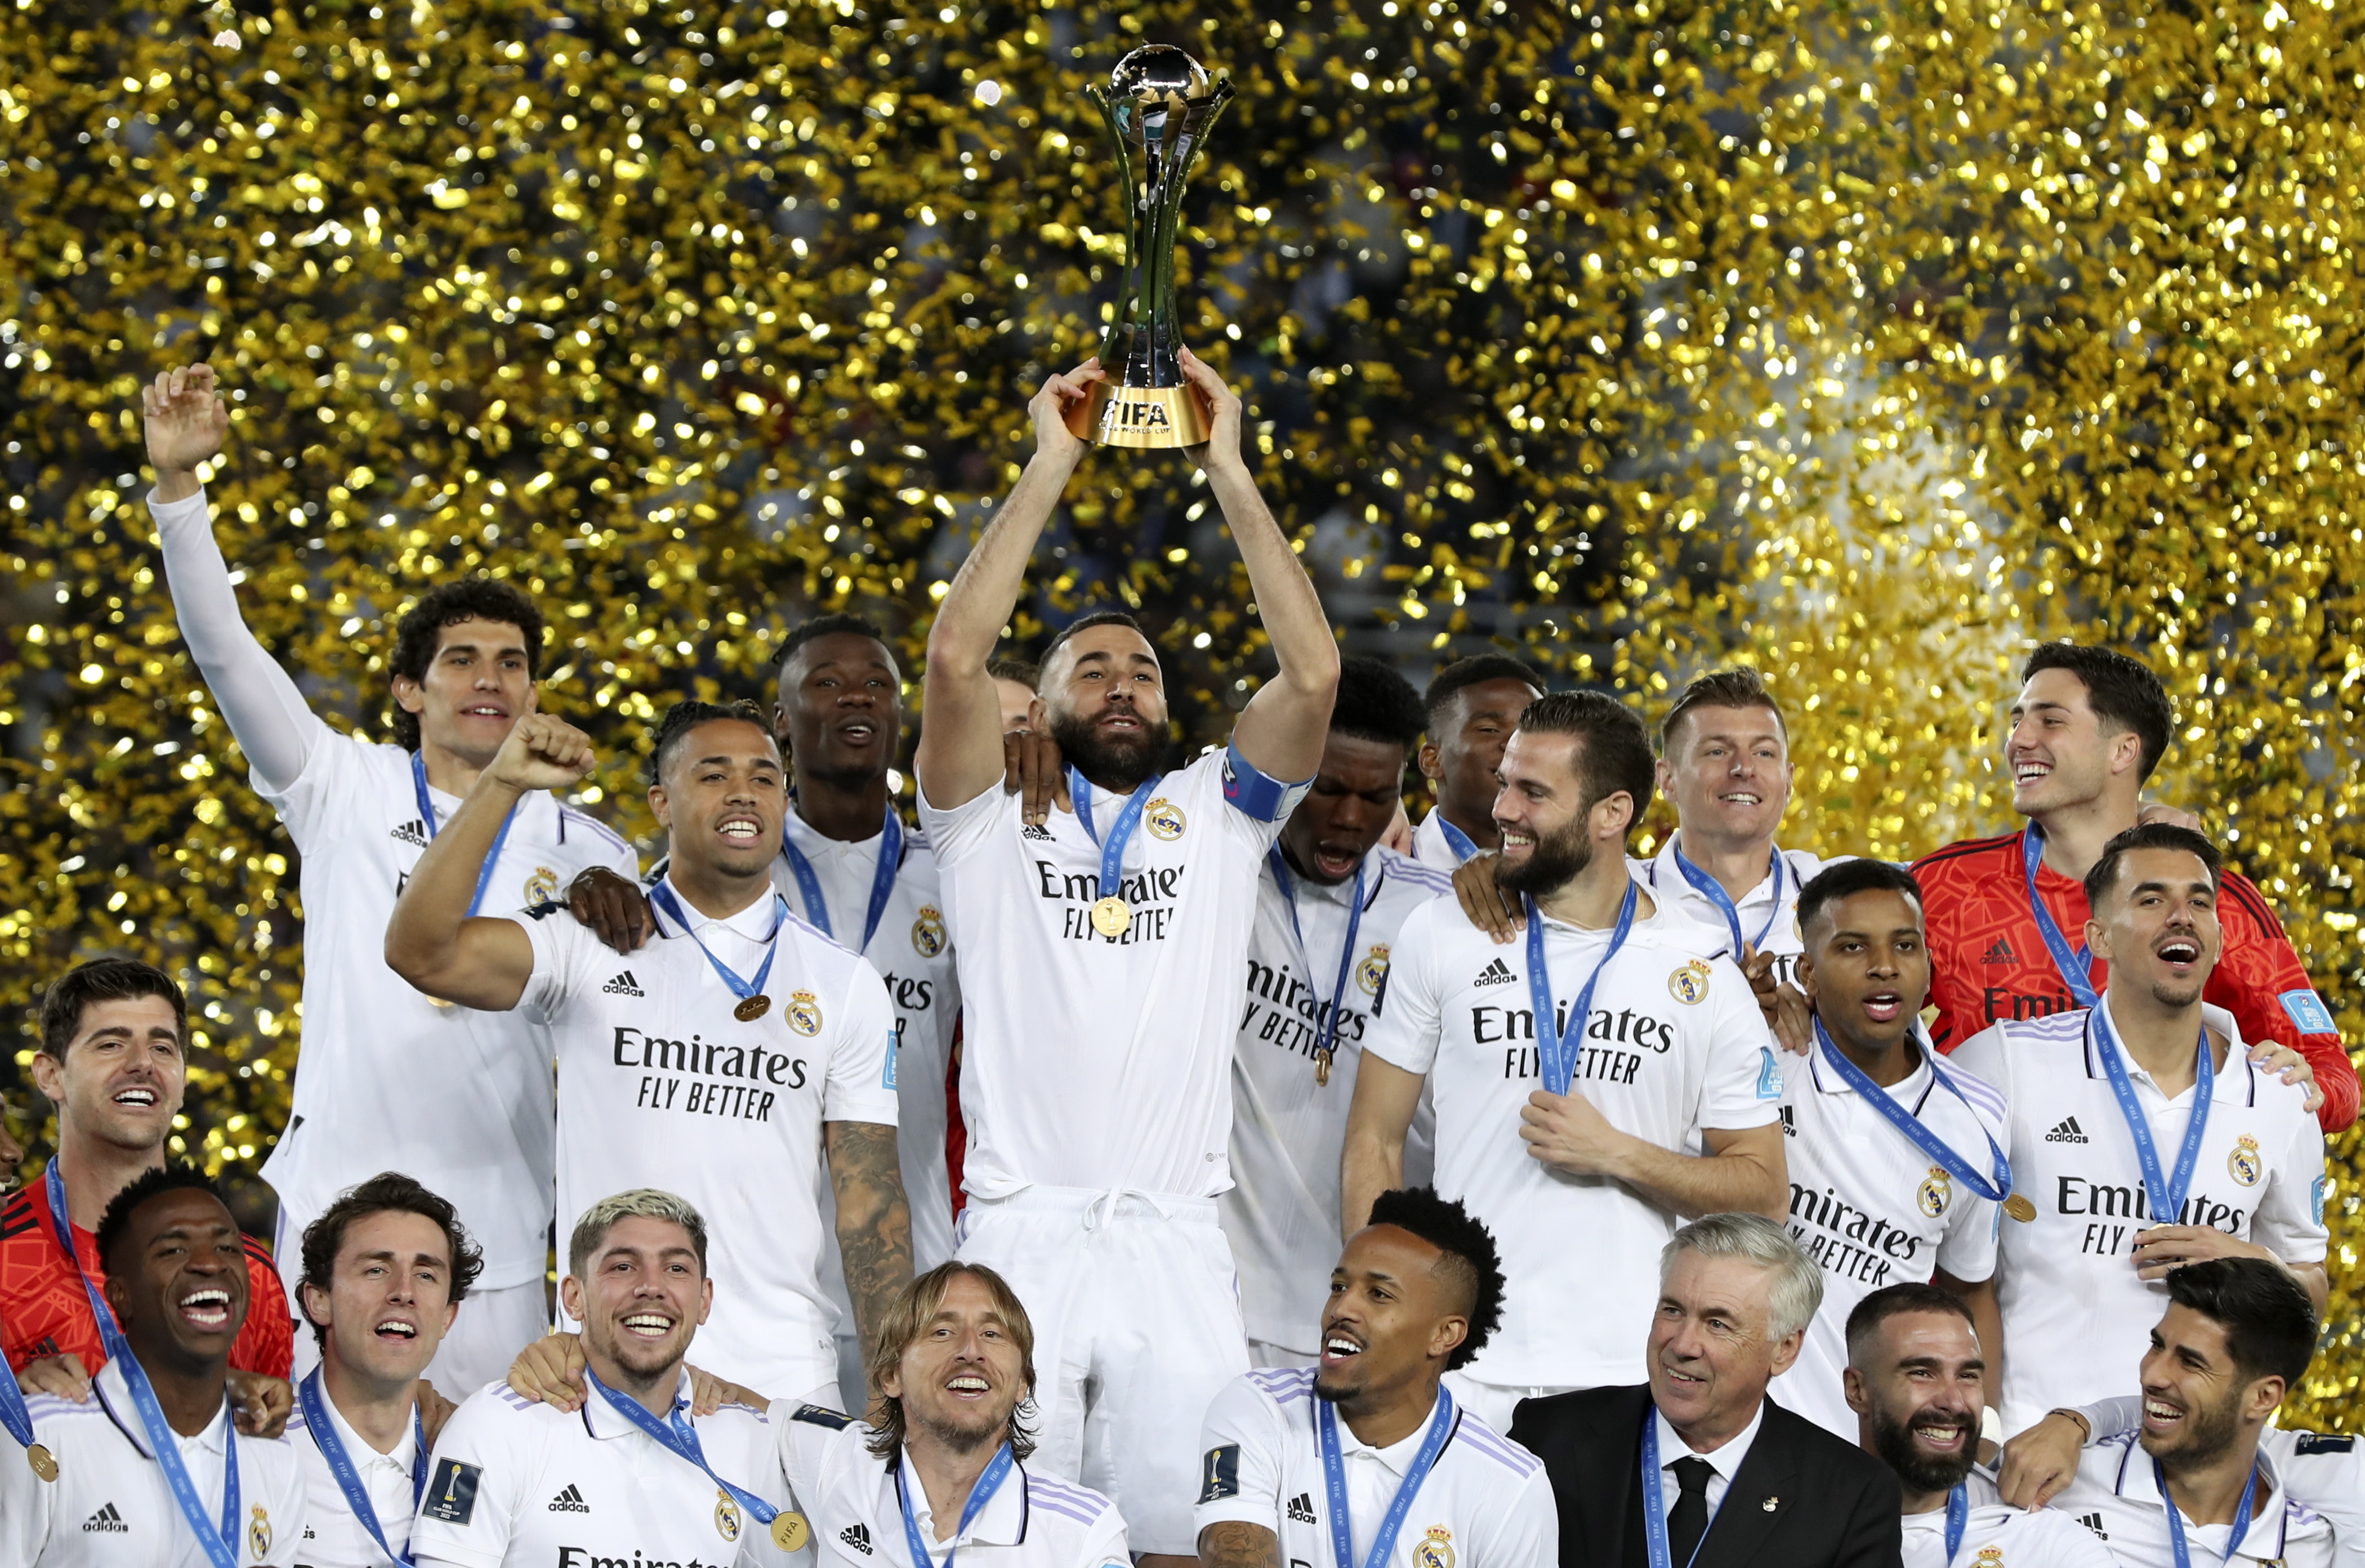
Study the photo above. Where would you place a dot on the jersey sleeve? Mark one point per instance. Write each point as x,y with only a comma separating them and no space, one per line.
1743,1087
861,1082
1984,1057
1968,1249
1527,1534
1240,1460
476,1486
266,1342
1256,797
2258,978
955,832
1406,1017
562,947
2290,1221
28,1506
1105,1543
802,1439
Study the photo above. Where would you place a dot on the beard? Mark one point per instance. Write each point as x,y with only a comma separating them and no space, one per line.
1892,1440
2209,1430
1115,765
966,1437
1558,859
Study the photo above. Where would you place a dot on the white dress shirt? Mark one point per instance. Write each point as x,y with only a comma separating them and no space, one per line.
1725,1461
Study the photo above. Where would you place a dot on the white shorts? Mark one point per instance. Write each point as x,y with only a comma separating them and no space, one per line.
491,1329
1492,1402
1136,1315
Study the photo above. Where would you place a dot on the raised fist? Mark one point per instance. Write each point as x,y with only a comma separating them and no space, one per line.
542,752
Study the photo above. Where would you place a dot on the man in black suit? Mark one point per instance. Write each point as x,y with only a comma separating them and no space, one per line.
1696,1468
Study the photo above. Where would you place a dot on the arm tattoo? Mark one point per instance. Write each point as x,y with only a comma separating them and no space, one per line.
874,1221
1233,1543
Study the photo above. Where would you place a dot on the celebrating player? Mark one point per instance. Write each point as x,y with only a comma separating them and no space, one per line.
720,1058
1095,1074
2087,729
944,1474
1917,1382
1895,1154
386,1077
2143,1139
1470,709
1301,1462
1329,907
517,1483
1572,1073
152,1471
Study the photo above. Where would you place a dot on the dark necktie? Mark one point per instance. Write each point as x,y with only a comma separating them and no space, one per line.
1688,1520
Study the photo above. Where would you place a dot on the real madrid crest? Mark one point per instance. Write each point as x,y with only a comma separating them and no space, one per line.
2244,1164
928,931
1989,1557
541,887
804,1013
1688,985
258,1532
1372,969
1934,1193
1164,819
726,1516
1436,1549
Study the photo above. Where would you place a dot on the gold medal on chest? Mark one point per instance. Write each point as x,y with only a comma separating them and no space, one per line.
1112,916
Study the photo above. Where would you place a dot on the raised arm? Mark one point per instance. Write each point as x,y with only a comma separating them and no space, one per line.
1377,1119
186,421
431,941
961,742
1282,730
874,1221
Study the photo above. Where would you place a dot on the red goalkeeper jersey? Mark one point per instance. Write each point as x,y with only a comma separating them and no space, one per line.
43,1311
1989,960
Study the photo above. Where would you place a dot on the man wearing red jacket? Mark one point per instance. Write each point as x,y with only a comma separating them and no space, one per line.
2007,916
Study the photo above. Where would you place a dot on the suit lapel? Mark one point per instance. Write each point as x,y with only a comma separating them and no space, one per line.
1761,1493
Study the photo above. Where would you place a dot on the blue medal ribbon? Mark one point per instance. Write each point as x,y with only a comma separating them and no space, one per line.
1279,863
667,904
988,1482
1128,817
2076,964
427,826
1334,1482
1654,1507
1958,1518
1460,843
1994,1191
315,1406
1709,888
220,1545
678,1437
2176,1542
1556,1048
2164,1194
883,880
16,1420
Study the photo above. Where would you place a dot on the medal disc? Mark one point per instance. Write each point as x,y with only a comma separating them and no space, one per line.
752,1008
1321,1068
2020,1208
44,1462
789,1530
1111,916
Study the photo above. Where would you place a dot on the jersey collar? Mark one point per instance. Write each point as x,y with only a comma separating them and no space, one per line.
1001,1523
601,1419
115,1395
1666,876
754,923
2229,1087
2264,1540
1912,1093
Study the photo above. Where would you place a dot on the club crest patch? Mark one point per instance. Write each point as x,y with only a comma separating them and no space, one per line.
1688,985
258,1532
1372,969
541,887
2244,1164
804,1013
1164,819
1989,1557
928,931
1935,1192
726,1516
1436,1549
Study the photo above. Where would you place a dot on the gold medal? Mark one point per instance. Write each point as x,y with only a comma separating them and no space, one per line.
44,1462
752,1008
1322,1069
789,1530
1111,916
2020,1208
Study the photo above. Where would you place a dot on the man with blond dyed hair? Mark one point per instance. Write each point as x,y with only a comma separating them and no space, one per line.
941,1471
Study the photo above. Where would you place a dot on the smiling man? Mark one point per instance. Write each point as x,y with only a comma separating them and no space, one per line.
1372,1427
944,1471
1469,712
460,1100
635,1474
2142,1136
725,1059
152,1466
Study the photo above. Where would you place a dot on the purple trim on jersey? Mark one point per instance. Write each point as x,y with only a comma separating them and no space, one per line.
1253,794
1066,1501
1501,1449
1975,1089
567,813
513,1399
1285,1384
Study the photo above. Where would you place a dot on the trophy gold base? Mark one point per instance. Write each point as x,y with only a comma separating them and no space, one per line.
1146,417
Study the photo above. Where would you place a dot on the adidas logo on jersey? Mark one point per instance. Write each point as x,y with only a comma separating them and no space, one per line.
569,1502
2068,1132
1301,1509
2094,1522
413,833
106,1521
2001,953
623,985
1037,832
1495,973
857,1535
1790,1123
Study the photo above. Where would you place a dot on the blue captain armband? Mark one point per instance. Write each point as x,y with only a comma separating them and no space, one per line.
1253,795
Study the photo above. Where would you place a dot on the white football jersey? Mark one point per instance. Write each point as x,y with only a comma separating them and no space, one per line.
334,1536
2077,1320
1437,844
1997,1535
528,1485
1674,1046
2325,1470
1874,1210
387,1079
660,1085
1288,1129
111,1507
2117,1495
854,1504
1769,917
1486,1502
1094,1061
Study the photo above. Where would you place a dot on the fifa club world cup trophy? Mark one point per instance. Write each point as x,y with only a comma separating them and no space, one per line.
1159,107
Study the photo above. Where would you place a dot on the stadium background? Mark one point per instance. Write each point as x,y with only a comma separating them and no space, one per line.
1861,343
